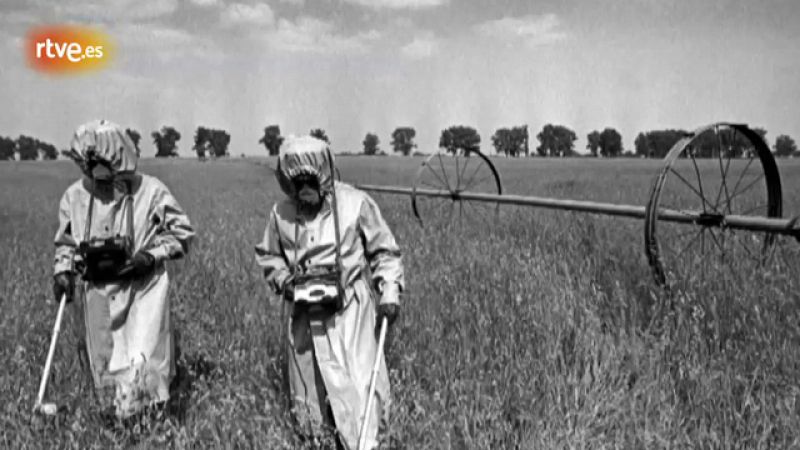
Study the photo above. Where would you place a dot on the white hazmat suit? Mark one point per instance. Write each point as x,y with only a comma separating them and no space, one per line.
128,332
330,358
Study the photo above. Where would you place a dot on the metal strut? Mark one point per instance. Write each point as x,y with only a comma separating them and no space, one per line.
706,219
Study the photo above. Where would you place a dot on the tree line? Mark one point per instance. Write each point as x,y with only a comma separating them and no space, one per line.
26,148
553,141
556,140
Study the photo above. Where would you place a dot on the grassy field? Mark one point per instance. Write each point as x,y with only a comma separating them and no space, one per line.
544,330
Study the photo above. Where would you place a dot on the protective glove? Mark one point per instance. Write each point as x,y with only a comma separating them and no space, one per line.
64,284
389,305
390,311
141,265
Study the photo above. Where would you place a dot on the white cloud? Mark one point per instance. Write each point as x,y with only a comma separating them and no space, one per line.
293,2
312,35
533,30
241,13
115,10
140,34
19,18
131,81
16,43
163,42
205,3
399,4
423,46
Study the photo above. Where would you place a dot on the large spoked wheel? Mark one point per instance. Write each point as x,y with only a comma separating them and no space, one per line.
719,170
436,197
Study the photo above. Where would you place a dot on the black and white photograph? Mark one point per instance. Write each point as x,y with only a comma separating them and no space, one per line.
399,224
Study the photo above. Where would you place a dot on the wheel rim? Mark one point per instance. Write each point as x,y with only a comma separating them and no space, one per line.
455,174
718,170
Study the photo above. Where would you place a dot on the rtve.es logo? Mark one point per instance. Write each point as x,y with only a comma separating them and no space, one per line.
67,49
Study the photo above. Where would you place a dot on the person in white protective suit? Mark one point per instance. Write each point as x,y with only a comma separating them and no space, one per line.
116,230
326,227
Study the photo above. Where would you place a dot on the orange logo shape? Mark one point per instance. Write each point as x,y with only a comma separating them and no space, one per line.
67,49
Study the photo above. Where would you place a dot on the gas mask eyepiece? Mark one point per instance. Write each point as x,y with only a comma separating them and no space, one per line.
307,189
97,168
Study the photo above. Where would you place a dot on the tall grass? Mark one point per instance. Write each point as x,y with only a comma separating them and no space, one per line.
545,331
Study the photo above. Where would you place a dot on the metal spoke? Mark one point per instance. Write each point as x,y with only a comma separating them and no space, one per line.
716,242
458,174
724,172
738,240
736,186
463,170
437,188
726,261
474,172
487,177
699,194
748,186
693,240
684,234
699,181
444,183
444,172
763,205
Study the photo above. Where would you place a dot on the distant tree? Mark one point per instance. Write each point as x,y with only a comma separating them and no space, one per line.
785,146
166,142
761,132
319,133
593,142
403,140
521,133
135,137
610,143
511,141
642,146
202,138
460,137
48,151
556,140
219,141
726,142
8,147
211,140
28,148
272,139
657,143
502,142
747,148
371,143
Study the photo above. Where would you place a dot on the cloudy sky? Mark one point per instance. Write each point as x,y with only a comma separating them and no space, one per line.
357,66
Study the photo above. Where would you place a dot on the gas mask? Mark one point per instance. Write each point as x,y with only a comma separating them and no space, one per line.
307,192
104,256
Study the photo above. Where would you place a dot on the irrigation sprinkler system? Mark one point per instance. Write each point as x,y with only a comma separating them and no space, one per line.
721,180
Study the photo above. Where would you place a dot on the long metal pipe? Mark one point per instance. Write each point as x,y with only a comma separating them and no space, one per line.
738,222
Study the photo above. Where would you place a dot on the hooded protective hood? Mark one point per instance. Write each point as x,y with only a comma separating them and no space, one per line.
304,155
104,141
